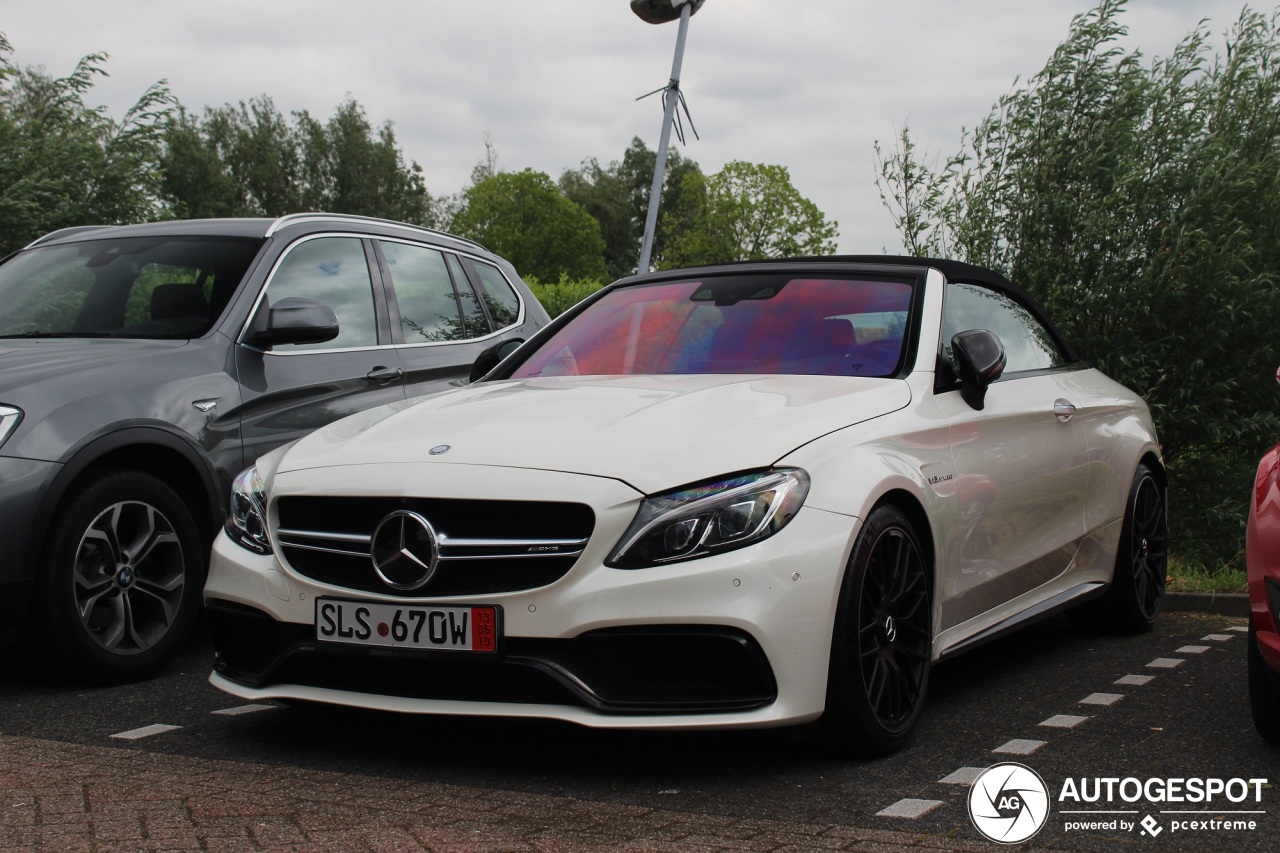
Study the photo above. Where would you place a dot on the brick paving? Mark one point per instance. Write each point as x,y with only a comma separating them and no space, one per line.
73,797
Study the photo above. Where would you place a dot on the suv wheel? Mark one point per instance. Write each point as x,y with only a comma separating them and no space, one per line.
121,580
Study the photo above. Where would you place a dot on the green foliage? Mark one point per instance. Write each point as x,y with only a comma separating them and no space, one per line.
559,296
745,211
65,163
617,196
1141,203
525,218
252,161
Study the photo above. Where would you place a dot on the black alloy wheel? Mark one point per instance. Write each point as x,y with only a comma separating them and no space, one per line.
883,639
1147,544
1132,602
121,582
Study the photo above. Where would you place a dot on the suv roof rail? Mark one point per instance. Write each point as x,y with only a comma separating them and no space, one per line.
64,232
294,218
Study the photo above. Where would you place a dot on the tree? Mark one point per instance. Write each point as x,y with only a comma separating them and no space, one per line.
617,196
745,211
526,219
65,163
1141,203
250,160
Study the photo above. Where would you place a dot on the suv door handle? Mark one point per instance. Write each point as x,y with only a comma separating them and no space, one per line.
384,375
1063,409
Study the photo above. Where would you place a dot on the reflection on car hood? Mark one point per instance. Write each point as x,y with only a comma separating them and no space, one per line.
653,432
28,361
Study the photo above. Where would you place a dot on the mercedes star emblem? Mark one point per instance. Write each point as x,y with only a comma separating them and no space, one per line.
405,550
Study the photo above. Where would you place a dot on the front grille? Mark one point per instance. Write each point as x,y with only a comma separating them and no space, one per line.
485,547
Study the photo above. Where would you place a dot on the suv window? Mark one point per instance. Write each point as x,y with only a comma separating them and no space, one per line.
122,288
332,271
473,315
1028,345
499,298
424,294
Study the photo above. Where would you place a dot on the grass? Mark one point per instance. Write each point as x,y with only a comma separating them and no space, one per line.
1189,576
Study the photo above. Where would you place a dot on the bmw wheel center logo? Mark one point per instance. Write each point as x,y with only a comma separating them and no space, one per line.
1009,803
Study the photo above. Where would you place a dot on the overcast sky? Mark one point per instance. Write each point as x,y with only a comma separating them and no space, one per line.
806,84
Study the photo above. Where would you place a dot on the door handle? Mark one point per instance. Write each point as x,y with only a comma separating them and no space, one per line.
1063,409
384,375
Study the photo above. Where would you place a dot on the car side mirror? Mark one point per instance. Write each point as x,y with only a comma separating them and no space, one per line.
296,321
980,357
493,356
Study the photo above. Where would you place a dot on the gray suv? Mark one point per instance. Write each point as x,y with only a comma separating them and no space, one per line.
143,367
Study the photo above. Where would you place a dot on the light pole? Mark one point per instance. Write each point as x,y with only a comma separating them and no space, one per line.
660,12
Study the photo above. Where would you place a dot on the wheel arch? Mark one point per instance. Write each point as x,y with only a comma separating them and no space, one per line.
1153,461
168,457
910,506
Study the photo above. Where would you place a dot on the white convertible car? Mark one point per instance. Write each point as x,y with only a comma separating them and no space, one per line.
749,495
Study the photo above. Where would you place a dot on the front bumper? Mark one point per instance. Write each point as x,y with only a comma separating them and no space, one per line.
739,639
23,484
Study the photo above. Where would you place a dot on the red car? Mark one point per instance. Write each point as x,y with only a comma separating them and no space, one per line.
1262,552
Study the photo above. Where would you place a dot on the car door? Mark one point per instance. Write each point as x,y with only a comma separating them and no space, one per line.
1021,462
442,314
293,389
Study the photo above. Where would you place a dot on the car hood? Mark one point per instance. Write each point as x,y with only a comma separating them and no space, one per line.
28,361
652,432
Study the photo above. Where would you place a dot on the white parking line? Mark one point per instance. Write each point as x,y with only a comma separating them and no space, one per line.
1101,699
1135,680
1063,721
1166,663
1019,746
1192,650
244,709
909,808
963,776
1217,638
145,731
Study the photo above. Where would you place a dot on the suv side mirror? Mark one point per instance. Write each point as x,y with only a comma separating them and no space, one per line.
980,357
493,356
296,321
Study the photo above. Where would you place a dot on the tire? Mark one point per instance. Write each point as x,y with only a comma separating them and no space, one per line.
1132,602
1264,692
120,583
882,641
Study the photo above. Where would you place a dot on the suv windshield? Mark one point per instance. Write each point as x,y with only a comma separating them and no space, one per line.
139,287
774,323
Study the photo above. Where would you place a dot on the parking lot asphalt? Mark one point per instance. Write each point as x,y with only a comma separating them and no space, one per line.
70,796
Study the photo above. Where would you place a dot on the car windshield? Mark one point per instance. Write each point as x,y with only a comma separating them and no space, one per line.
760,323
160,287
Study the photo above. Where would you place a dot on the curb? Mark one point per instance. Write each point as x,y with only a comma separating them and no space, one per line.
1219,603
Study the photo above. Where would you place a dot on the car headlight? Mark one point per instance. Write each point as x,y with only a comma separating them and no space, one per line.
9,417
711,517
247,517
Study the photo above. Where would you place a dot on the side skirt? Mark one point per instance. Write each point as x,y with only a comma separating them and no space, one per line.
1056,604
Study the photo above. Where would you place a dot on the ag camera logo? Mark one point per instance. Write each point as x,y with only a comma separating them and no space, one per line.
1008,803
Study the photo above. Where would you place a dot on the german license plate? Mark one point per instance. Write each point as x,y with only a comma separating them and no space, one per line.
421,627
